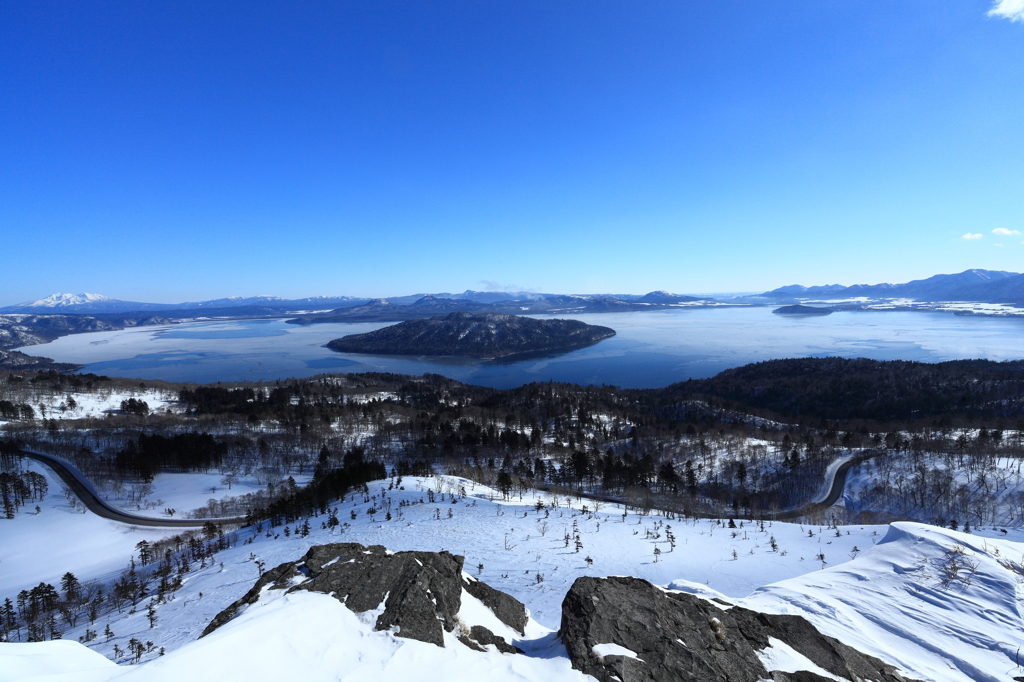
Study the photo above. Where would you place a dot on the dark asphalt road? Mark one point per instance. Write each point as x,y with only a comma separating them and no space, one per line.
75,480
87,494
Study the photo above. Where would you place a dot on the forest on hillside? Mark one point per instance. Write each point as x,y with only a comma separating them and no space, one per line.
673,448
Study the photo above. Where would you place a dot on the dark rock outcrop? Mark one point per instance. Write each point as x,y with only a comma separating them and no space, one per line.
507,608
680,637
421,592
479,336
278,578
479,637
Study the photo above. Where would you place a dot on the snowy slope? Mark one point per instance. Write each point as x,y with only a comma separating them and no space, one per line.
311,637
55,660
892,602
41,547
885,602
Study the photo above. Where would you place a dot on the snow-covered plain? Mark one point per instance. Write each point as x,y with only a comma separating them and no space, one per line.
41,547
95,403
186,492
888,601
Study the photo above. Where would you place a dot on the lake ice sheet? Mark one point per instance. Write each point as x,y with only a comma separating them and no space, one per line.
651,349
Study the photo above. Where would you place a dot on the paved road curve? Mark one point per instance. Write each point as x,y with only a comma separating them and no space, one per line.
834,493
80,485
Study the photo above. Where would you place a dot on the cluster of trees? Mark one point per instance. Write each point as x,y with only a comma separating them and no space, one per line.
245,401
43,612
10,410
153,453
328,484
156,571
19,487
61,380
861,389
135,406
677,447
956,479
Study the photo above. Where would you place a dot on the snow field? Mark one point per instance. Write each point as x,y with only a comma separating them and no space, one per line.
92,403
891,602
56,660
187,492
42,547
886,602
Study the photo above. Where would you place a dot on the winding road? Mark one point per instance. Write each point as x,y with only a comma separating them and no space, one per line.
835,491
80,485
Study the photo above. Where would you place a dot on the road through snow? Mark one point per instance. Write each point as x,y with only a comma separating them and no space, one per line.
83,488
85,491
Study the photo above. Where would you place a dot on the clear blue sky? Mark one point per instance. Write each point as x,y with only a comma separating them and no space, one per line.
171,151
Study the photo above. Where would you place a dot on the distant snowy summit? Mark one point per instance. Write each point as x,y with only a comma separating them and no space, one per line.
63,301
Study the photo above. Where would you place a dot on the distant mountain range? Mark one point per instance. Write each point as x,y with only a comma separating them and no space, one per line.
981,286
417,305
86,304
385,310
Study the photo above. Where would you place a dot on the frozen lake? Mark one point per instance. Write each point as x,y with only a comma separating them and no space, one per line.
651,349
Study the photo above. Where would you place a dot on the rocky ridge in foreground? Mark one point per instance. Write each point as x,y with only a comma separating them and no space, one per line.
615,629
421,592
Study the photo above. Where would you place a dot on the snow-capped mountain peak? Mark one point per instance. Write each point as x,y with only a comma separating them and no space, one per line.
65,300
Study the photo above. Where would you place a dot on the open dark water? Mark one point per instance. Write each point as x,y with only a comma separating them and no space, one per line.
651,349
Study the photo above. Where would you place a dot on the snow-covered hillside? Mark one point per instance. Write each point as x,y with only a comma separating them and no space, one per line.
943,604
889,601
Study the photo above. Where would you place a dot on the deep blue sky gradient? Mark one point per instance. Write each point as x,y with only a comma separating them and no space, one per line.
171,151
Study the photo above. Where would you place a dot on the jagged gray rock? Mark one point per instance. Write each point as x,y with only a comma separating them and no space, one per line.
421,591
507,608
479,637
680,637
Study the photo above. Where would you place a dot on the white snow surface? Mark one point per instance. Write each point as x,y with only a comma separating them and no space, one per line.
187,492
64,300
41,547
613,649
56,660
780,656
887,602
314,637
103,401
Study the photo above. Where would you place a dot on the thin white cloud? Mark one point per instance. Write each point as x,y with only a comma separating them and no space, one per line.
1002,230
972,235
1008,9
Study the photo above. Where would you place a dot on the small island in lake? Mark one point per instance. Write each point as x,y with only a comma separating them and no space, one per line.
487,336
801,310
